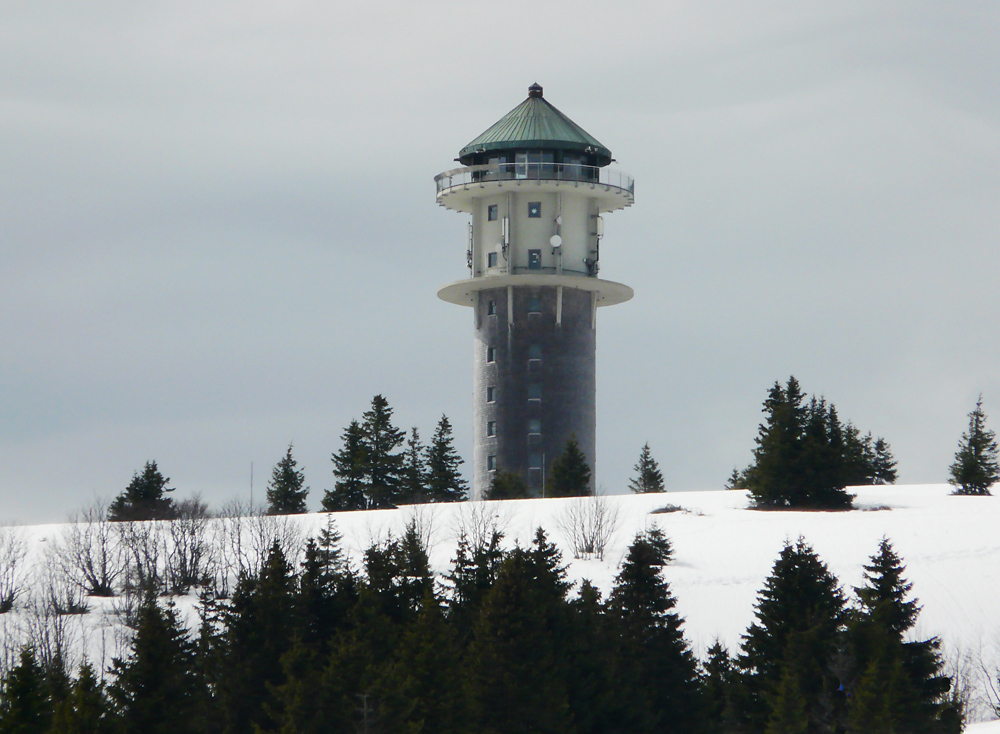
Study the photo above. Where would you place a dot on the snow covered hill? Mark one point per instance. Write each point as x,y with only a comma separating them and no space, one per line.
722,554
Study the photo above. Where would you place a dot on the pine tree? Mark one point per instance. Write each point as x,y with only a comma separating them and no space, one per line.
260,623
899,684
718,682
800,614
975,469
25,704
444,482
286,492
144,499
507,486
516,678
349,468
382,462
86,710
413,476
155,687
661,676
648,477
570,473
883,463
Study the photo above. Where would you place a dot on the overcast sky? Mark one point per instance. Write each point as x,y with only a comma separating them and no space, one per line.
218,231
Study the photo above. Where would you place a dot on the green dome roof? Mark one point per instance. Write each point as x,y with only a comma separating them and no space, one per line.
535,124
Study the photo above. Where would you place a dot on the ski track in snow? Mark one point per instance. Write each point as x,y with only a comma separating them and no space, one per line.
722,554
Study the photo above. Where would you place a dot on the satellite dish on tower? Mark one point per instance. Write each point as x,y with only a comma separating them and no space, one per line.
555,240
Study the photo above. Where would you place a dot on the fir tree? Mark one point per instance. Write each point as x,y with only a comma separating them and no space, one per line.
349,469
155,686
718,681
413,476
144,498
975,469
507,486
883,463
899,684
570,473
86,710
382,461
660,678
286,492
259,628
444,482
25,704
516,678
800,614
648,477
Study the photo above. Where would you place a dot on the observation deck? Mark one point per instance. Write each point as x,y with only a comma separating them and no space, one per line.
457,188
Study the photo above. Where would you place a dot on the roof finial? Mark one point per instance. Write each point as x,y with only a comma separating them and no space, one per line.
535,90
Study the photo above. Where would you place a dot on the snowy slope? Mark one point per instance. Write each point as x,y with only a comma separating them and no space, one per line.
722,554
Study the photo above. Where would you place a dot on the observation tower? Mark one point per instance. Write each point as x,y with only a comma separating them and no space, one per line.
536,185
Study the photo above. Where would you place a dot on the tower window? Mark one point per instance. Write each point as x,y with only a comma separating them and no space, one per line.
534,426
491,394
491,259
534,209
534,391
491,463
535,351
491,354
535,305
534,259
491,307
491,428
491,213
535,461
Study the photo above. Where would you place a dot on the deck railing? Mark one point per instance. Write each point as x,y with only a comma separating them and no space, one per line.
573,172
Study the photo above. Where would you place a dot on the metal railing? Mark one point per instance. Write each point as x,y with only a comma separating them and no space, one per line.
572,172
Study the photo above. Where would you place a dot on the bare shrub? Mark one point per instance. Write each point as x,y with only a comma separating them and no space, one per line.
54,637
188,554
478,522
589,523
89,553
960,666
243,536
12,552
141,544
55,590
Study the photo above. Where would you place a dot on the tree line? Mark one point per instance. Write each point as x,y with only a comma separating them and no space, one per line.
501,643
805,456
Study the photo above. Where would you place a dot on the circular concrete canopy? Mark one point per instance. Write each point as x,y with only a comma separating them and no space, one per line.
463,292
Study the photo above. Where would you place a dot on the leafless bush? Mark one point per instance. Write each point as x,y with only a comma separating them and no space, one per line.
141,544
960,667
421,522
89,552
53,636
55,590
188,553
589,523
12,552
479,521
243,536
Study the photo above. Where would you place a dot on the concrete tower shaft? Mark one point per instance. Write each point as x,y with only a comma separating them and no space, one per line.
536,186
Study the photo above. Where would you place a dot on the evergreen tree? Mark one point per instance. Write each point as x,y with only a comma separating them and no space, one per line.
349,468
660,675
792,647
800,459
975,469
382,461
474,571
143,498
155,687
507,486
286,492
413,476
259,628
718,681
570,473
648,477
516,677
444,482
25,704
883,463
898,685
86,710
